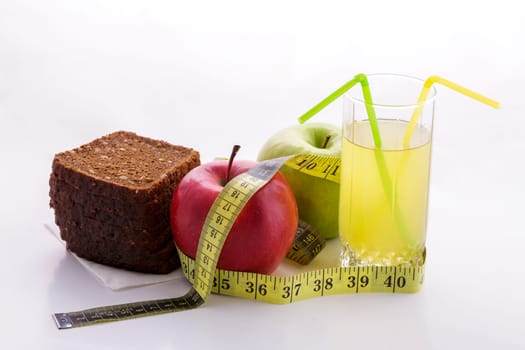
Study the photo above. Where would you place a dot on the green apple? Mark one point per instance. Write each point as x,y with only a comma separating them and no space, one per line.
317,198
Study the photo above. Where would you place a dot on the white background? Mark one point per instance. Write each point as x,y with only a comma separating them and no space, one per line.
208,74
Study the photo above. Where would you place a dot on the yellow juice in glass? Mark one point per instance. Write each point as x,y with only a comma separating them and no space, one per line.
383,195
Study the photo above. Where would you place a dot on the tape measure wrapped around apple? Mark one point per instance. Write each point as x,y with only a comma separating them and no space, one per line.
317,199
262,233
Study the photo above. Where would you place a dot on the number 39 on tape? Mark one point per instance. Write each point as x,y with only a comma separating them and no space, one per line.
311,284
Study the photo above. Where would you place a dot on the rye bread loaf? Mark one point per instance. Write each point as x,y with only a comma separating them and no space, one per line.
111,199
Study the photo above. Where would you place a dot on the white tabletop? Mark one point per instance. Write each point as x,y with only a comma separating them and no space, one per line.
212,74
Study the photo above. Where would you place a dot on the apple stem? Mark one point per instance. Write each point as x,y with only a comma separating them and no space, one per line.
235,149
326,140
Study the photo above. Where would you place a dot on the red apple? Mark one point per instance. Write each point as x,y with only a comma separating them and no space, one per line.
262,234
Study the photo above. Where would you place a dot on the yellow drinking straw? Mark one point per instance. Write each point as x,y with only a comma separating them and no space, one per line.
423,96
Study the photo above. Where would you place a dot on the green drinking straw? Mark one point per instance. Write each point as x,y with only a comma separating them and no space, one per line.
363,80
380,160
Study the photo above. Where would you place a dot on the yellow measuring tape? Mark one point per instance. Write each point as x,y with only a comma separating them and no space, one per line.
204,276
324,167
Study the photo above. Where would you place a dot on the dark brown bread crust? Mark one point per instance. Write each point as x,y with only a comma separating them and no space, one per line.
79,203
126,256
111,199
149,237
148,243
